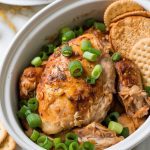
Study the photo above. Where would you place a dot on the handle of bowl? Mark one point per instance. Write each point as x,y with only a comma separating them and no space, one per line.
144,3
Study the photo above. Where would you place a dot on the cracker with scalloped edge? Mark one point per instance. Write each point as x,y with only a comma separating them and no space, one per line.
118,8
8,144
3,133
140,54
125,33
134,13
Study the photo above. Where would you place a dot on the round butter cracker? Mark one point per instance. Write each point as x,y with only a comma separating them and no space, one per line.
134,13
140,54
118,8
125,33
8,144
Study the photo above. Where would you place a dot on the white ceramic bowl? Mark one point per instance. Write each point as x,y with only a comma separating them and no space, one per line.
26,45
26,2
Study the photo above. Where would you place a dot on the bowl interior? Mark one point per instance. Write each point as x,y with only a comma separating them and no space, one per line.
27,45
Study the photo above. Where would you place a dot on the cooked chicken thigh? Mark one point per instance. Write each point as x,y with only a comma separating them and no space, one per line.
65,101
98,135
127,121
28,82
133,97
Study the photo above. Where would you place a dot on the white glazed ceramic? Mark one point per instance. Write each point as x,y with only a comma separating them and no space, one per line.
26,45
26,2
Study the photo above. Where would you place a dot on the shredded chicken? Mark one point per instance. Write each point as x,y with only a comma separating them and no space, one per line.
127,121
28,82
98,135
133,97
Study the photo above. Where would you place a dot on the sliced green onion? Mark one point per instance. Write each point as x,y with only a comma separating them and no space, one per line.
35,135
64,30
34,120
87,146
114,116
48,49
125,132
43,55
68,36
97,71
27,113
106,121
33,104
147,89
94,51
91,80
66,50
61,146
90,56
56,141
100,26
45,142
85,45
78,31
75,68
74,146
116,127
37,61
70,137
89,23
24,112
116,56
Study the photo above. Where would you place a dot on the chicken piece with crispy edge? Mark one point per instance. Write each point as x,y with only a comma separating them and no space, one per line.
65,101
97,134
29,81
127,121
131,92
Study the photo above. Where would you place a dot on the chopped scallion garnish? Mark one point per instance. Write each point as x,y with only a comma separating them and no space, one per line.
66,50
35,135
90,56
116,127
97,71
34,120
37,61
75,68
116,56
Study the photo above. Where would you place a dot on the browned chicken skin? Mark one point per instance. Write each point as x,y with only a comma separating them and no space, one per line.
98,135
28,82
131,123
65,101
133,97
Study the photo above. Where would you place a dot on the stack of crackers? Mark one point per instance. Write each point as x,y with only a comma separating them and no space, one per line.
129,27
6,141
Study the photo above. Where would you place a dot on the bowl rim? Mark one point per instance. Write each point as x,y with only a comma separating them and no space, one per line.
140,133
26,2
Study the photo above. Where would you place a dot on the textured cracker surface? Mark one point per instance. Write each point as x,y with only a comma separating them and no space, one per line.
133,13
8,144
140,54
128,31
118,8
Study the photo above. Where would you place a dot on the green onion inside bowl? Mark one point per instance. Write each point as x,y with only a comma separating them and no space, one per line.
45,142
90,56
116,127
66,51
34,120
75,68
97,71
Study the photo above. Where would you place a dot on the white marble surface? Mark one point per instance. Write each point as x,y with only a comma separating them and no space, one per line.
7,34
